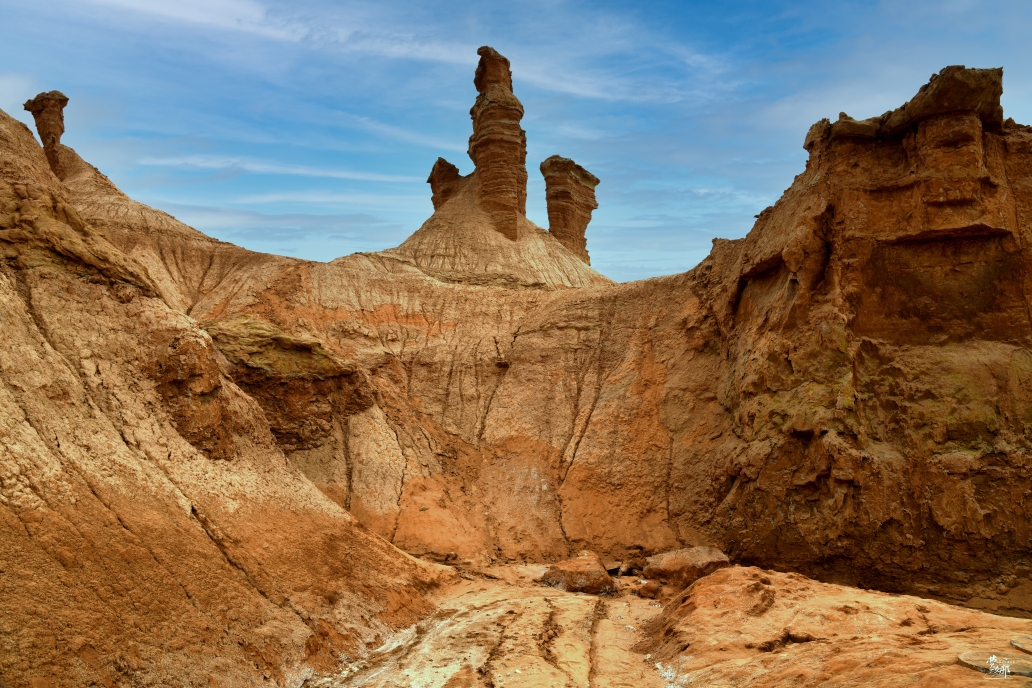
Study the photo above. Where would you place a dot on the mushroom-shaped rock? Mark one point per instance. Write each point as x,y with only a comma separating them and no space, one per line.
683,567
583,573
570,195
498,146
48,111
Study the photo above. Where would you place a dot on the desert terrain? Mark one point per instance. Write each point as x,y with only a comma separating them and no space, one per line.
464,461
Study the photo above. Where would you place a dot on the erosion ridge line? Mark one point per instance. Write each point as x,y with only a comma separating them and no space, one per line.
845,393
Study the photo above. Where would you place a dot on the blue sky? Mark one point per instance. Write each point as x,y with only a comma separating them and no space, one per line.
308,128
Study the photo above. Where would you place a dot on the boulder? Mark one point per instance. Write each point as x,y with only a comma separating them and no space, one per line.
583,573
683,567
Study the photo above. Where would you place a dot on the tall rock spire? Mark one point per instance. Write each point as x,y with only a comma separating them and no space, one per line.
498,146
48,111
570,195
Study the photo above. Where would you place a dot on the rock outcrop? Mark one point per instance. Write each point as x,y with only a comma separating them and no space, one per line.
746,626
570,195
48,111
479,233
498,146
153,531
444,181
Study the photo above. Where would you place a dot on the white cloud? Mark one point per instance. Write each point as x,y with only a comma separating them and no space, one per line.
213,162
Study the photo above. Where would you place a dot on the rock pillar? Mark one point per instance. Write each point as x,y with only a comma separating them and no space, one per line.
570,195
498,146
48,111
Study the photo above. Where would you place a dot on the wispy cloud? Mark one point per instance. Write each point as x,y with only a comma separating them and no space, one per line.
238,15
214,162
401,134
354,199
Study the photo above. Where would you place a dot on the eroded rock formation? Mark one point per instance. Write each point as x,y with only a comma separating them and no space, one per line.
498,146
479,233
153,532
48,111
846,392
570,195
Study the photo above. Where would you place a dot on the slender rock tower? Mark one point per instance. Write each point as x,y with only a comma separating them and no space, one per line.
498,146
48,111
570,195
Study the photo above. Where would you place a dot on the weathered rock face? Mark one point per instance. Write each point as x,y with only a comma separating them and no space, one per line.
498,146
746,626
48,111
846,392
153,532
570,194
479,233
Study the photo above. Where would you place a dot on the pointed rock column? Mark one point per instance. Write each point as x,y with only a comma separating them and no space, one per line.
570,195
498,146
48,111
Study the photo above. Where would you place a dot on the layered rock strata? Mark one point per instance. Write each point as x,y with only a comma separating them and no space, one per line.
498,146
153,531
845,392
570,195
479,233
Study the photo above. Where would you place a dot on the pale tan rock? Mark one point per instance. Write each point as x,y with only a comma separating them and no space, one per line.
846,392
48,112
153,531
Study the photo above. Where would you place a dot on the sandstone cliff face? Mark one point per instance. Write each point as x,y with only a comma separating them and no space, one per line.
845,392
153,532
570,194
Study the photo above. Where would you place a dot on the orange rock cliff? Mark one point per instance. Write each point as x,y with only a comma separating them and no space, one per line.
215,464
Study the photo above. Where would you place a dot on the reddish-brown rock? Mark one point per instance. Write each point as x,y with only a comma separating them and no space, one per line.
570,195
498,146
583,573
683,567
